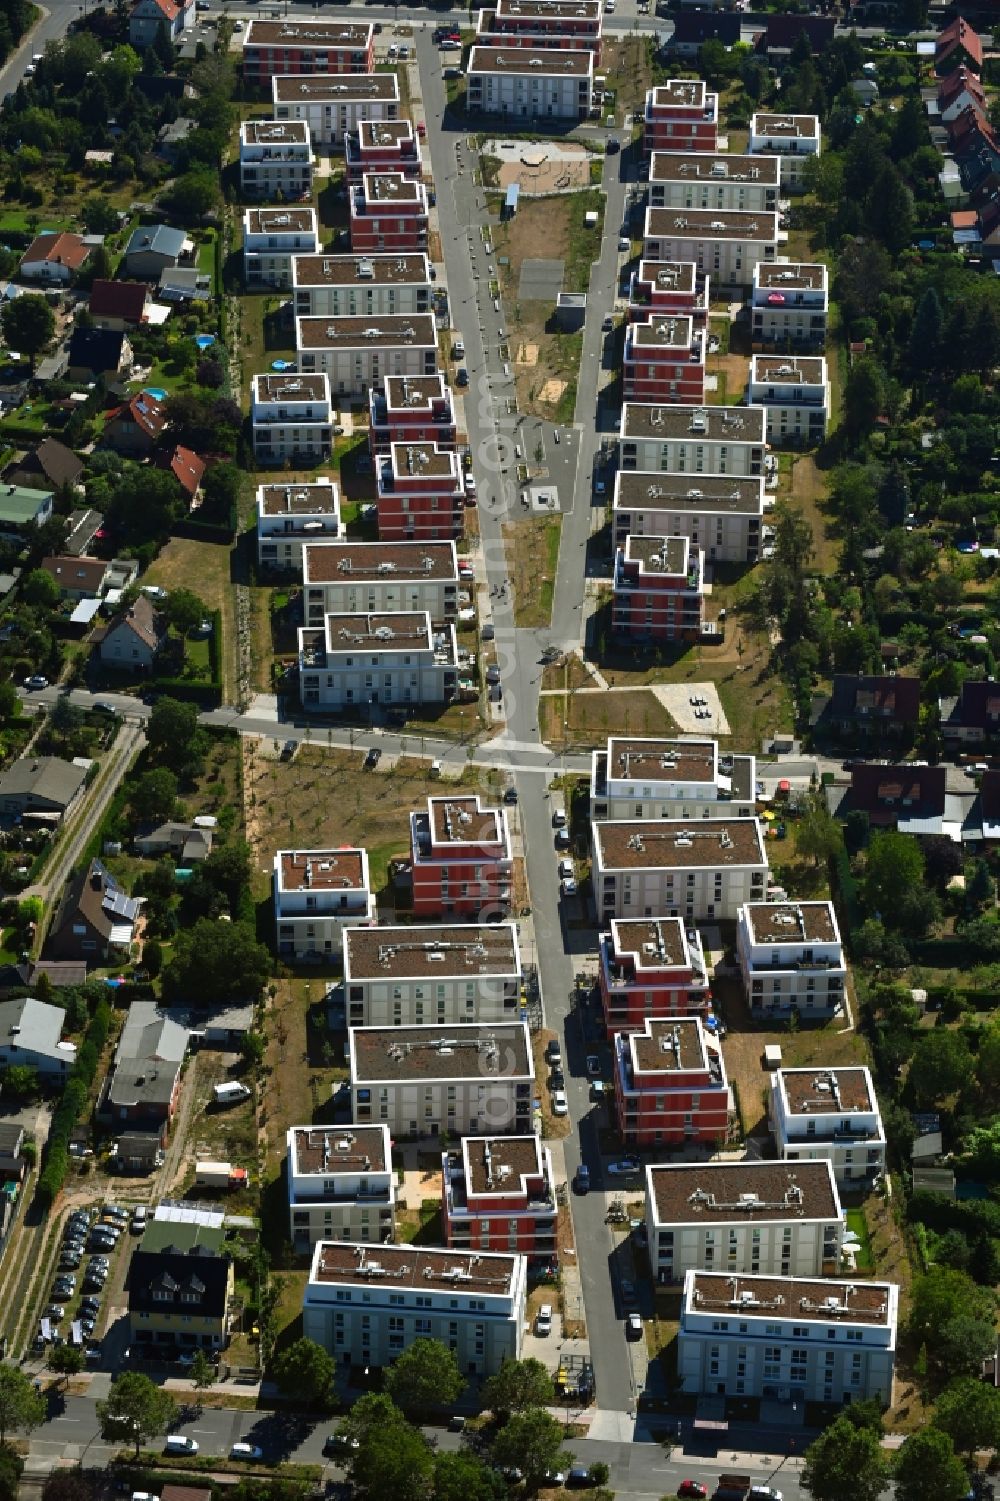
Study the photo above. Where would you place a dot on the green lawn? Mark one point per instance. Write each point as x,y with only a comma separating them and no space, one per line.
857,1223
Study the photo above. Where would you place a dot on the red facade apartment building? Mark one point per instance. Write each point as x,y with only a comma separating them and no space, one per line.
659,589
664,361
670,1085
273,49
460,859
382,146
573,24
651,967
681,115
421,493
498,1195
411,409
388,212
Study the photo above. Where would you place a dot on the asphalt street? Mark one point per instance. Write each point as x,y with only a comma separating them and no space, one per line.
639,1469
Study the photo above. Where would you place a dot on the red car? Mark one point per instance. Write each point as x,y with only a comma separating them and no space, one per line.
692,1488
422,130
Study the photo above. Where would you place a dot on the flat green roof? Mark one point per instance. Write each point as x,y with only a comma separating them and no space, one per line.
159,1234
18,504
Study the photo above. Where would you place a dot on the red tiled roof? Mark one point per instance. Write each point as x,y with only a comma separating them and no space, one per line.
959,34
61,248
118,299
188,468
145,411
953,84
964,218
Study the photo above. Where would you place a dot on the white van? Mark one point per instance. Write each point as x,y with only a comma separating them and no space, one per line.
179,1443
435,770
230,1092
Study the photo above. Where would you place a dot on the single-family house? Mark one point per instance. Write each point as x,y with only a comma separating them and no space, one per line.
135,426
874,706
96,352
96,918
784,31
78,578
137,1152
147,16
187,842
187,468
40,784
30,1033
153,247
973,716
135,638
118,304
907,797
23,507
184,284
49,463
144,1084
692,29
55,257
958,45
83,526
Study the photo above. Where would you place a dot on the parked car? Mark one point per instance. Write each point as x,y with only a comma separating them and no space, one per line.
623,1167
569,887
694,1489
557,1079
543,1319
581,1179
633,1327
180,1443
373,757
559,1105
339,1443
553,1051
246,1451
562,839
36,681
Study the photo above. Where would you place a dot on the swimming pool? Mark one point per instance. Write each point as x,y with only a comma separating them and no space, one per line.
157,392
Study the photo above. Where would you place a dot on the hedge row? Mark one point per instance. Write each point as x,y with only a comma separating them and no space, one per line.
71,1107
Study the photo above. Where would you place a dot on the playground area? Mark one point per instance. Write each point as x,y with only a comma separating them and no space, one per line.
540,166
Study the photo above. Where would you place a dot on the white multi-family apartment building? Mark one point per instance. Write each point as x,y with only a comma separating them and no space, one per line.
829,1112
788,1338
701,869
397,657
724,245
355,353
354,578
791,958
341,1185
365,286
794,391
714,179
366,1305
634,778
722,513
289,516
291,417
743,1217
276,159
789,305
432,975
474,1079
334,105
714,440
792,138
317,894
271,237
530,84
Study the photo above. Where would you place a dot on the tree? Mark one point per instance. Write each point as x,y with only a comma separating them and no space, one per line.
41,589
21,1406
163,47
99,216
68,1485
202,1371
11,1466
392,1457
969,1413
532,1443
817,833
185,610
793,537
864,399
21,1081
927,1469
152,957
963,1344
28,325
893,862
845,1461
194,194
154,796
253,1048
517,1385
927,331
171,732
979,887
464,1477
426,1375
218,962
67,1360
943,1301
221,491
307,1370
135,1410
941,1065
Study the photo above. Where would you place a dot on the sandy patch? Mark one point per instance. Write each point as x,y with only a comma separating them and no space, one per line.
551,391
676,699
527,354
